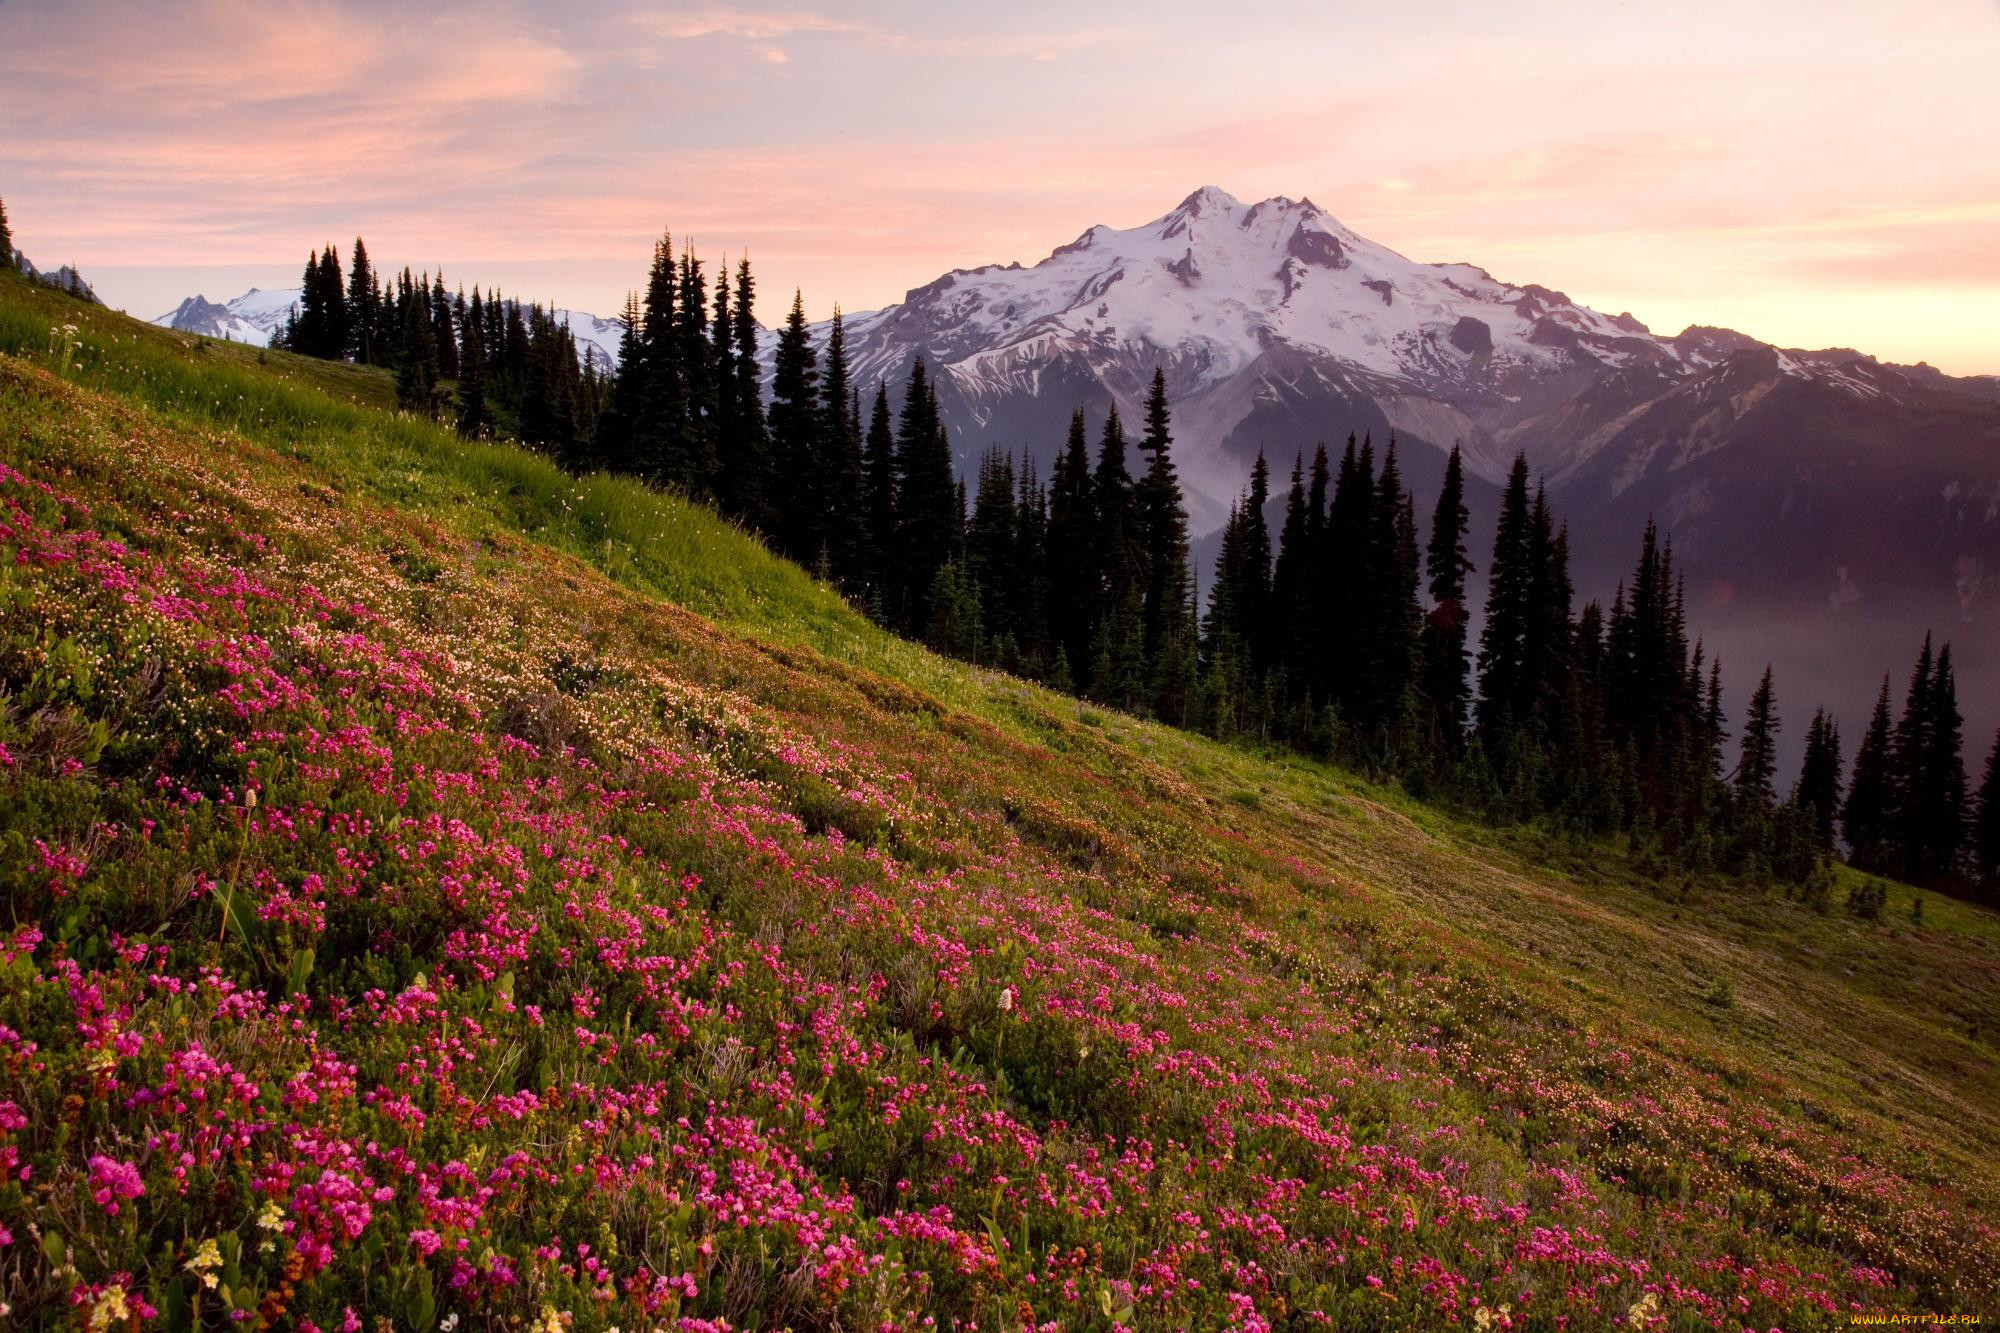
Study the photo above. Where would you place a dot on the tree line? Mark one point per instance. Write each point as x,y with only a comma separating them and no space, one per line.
1345,634
490,364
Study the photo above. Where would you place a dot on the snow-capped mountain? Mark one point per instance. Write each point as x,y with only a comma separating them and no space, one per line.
1822,504
1210,288
594,331
1274,324
251,318
1277,327
257,314
200,315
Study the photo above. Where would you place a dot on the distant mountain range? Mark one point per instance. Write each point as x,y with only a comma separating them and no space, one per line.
1826,508
64,277
258,314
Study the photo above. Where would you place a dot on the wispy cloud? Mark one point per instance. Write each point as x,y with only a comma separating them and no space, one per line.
756,27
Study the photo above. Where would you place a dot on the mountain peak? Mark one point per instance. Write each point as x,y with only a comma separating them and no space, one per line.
1209,198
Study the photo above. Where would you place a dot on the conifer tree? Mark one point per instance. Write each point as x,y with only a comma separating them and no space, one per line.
1225,660
617,428
745,484
1650,692
1986,824
475,420
1027,583
722,405
658,430
363,298
1759,759
7,262
549,389
592,389
1253,594
840,463
387,325
878,467
1867,815
1444,631
1341,596
929,507
991,543
1289,575
306,333
416,357
1117,670
697,468
1909,756
1238,626
1503,639
444,335
1389,621
333,305
1072,557
1590,781
1163,526
1318,488
952,605
1545,648
798,482
1817,794
506,346
1714,729
1935,808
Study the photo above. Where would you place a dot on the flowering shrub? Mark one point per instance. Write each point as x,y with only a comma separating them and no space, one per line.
111,1181
500,947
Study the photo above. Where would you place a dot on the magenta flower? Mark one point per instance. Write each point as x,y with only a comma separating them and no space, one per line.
112,1180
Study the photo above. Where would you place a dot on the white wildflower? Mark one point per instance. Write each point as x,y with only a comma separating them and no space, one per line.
206,1260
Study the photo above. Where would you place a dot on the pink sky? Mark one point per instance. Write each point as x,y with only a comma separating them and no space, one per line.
1812,173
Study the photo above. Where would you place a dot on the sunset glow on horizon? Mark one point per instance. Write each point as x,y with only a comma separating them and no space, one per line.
1812,174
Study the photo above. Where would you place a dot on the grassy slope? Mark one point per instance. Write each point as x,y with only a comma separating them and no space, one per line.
1749,1093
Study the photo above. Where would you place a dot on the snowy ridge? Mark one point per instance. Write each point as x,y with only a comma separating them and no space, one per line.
251,318
198,314
1217,281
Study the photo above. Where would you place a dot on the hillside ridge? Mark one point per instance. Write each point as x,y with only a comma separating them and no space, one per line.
581,953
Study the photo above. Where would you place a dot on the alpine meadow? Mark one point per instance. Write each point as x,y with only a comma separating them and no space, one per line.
1220,778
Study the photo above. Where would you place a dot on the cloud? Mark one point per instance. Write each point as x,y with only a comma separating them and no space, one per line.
1952,245
1619,158
516,69
200,54
760,27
